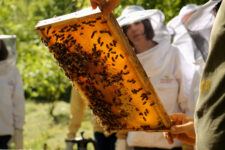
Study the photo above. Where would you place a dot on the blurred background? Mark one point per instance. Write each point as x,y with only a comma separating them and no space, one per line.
47,90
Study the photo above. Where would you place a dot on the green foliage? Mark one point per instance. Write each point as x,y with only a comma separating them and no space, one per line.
40,129
42,77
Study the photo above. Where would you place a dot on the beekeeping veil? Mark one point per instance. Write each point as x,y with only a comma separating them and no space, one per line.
180,35
10,44
135,13
199,26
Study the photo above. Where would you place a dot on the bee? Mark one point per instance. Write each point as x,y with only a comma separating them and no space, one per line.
99,18
99,40
103,22
121,56
93,33
49,27
144,118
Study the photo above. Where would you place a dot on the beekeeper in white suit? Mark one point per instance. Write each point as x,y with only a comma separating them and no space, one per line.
165,66
181,38
191,31
199,26
11,95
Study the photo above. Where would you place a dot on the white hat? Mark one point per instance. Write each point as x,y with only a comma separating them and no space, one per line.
181,37
136,13
203,17
187,9
176,22
200,21
10,43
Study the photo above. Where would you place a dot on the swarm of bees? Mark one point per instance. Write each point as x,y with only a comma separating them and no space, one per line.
103,70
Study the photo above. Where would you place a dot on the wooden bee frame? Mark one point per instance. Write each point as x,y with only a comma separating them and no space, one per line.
97,57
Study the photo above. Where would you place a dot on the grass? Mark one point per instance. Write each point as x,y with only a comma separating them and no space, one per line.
40,129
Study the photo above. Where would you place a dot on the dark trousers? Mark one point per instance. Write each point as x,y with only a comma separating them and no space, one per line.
4,141
145,148
105,142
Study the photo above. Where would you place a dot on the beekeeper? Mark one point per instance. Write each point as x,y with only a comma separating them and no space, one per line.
191,31
165,66
11,95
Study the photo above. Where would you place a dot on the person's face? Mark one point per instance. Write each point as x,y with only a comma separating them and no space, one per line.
136,32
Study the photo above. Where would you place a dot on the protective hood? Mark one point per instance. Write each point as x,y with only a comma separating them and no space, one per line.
176,22
7,64
192,36
199,26
203,17
136,13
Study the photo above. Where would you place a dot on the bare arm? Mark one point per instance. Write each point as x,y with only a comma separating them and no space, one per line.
182,129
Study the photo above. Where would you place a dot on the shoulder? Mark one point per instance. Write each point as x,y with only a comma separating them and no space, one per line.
15,71
15,74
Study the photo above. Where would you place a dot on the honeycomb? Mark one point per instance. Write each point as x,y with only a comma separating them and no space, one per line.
95,54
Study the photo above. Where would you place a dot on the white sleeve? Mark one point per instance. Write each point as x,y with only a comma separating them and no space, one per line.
120,144
77,109
18,101
185,73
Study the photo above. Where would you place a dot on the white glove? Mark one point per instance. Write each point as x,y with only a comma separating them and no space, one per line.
121,144
18,138
69,146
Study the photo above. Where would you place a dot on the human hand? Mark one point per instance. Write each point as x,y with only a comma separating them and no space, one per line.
182,129
106,6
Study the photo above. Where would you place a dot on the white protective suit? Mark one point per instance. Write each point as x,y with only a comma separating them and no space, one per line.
171,76
11,95
192,37
181,38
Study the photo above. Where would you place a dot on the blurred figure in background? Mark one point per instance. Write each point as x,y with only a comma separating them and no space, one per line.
78,108
209,121
165,66
180,37
11,95
191,32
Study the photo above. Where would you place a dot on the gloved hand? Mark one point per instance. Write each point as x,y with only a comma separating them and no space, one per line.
18,138
121,144
69,146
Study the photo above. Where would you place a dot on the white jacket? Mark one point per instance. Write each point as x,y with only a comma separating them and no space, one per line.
172,77
11,98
